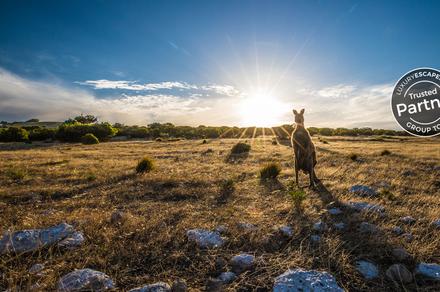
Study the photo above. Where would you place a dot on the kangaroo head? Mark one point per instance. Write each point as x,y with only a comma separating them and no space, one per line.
299,117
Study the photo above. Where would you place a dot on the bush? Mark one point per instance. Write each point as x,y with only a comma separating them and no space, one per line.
89,139
73,132
298,196
146,164
158,139
14,134
274,142
41,134
227,188
270,171
385,152
204,141
240,148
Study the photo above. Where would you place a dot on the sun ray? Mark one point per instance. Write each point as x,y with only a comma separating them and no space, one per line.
253,135
242,134
275,135
224,133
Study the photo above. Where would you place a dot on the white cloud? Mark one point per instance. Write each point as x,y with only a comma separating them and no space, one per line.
226,90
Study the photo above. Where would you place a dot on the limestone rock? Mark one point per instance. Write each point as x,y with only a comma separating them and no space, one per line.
302,280
430,271
362,191
398,273
85,279
242,262
368,269
205,238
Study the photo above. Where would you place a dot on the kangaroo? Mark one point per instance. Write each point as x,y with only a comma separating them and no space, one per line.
305,154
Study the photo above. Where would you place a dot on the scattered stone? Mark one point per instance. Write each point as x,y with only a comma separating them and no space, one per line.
117,217
214,285
363,191
436,223
397,230
407,220
227,277
286,231
33,239
242,262
205,238
85,279
35,269
398,273
400,254
315,238
156,287
73,241
366,207
332,205
335,211
179,286
368,269
247,226
408,237
431,271
339,226
320,226
302,280
222,229
366,227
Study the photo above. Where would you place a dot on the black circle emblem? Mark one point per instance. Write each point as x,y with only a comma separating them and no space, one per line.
416,102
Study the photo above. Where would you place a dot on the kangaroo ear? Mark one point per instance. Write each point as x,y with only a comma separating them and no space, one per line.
302,111
295,112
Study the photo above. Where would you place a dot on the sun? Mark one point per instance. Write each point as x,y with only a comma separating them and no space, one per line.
260,109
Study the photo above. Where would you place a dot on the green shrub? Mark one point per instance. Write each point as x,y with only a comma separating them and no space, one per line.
41,134
270,171
13,134
385,152
89,139
297,196
240,148
74,131
146,164
353,156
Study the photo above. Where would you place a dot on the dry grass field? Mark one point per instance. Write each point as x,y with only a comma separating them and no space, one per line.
43,185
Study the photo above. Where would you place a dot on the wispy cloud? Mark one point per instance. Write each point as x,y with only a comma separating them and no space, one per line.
227,90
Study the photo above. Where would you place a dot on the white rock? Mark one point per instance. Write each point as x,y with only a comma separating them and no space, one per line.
156,287
242,262
227,277
306,281
368,270
339,226
366,207
315,238
366,227
73,241
363,191
286,231
36,268
408,237
205,238
335,211
221,229
85,279
247,226
32,239
397,230
436,223
399,274
407,220
431,271
320,226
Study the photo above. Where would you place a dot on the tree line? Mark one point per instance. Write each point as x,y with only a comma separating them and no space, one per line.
73,129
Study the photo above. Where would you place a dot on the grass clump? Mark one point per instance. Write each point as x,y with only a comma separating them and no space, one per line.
89,139
298,196
144,165
270,171
274,142
16,174
385,152
240,148
353,156
387,194
227,188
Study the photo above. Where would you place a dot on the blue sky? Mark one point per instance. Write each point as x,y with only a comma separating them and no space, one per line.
203,62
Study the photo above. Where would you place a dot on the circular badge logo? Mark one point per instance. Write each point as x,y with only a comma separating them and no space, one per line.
416,102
